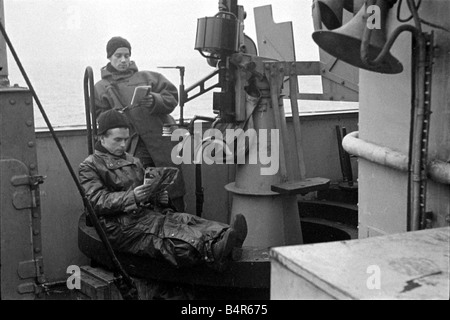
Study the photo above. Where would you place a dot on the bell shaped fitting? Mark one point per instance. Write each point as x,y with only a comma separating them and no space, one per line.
353,6
344,43
331,13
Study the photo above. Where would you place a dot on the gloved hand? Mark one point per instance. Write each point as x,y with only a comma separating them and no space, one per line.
163,198
147,101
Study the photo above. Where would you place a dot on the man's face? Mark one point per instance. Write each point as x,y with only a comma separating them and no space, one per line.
120,59
115,140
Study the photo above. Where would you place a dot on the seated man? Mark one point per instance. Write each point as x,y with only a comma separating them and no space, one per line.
113,183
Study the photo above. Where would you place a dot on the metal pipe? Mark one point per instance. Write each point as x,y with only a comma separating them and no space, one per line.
199,190
344,158
181,91
438,171
374,153
418,151
293,88
347,163
365,42
4,80
416,180
379,59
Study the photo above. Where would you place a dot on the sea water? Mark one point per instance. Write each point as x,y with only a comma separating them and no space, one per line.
57,40
59,85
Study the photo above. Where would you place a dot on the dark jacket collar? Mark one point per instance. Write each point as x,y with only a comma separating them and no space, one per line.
98,146
112,161
108,72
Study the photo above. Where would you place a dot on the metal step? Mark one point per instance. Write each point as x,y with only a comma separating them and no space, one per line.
302,186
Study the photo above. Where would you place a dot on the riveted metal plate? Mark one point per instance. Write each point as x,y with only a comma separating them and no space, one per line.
23,199
28,287
30,269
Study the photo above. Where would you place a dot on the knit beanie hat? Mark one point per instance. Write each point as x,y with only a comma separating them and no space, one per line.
115,43
111,119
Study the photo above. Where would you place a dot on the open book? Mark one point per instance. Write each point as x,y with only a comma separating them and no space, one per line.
139,93
160,178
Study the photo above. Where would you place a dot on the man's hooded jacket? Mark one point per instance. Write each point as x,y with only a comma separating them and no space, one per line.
116,90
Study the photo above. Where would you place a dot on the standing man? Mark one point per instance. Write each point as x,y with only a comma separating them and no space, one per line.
120,77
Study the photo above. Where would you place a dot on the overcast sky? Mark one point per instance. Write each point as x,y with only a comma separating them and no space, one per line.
58,28
57,39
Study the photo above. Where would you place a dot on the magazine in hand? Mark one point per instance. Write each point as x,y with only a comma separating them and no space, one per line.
139,93
160,178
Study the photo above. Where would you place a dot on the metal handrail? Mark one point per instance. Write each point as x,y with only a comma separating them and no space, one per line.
89,104
124,282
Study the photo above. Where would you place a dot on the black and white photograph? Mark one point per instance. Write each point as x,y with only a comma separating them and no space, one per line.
229,156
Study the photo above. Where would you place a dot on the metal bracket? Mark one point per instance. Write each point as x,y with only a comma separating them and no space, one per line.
336,78
301,187
31,268
26,198
201,86
27,180
28,287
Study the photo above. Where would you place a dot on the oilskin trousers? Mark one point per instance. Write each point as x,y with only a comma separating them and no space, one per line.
181,239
